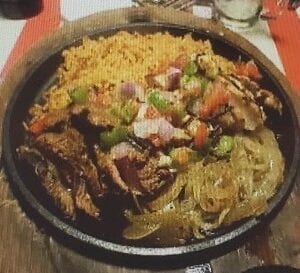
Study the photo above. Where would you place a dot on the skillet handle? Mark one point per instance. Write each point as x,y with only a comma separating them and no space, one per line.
200,268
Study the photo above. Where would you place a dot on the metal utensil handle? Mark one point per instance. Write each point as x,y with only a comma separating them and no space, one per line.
201,268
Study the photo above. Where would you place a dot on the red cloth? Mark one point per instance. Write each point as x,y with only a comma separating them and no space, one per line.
286,34
35,28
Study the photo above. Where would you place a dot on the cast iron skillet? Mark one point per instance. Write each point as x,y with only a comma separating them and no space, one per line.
82,235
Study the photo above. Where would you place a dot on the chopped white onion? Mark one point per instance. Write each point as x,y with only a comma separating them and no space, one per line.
121,150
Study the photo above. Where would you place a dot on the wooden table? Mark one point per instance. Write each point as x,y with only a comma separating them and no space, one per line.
24,248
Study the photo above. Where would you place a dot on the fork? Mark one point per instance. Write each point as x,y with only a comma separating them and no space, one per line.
176,4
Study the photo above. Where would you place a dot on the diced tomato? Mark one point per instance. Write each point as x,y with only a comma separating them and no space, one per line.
38,126
162,68
180,62
248,69
155,140
201,135
152,112
214,101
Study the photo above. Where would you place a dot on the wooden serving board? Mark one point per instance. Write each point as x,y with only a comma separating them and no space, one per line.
25,248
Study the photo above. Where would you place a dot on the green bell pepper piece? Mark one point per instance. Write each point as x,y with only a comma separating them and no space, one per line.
158,101
113,137
124,112
79,95
190,69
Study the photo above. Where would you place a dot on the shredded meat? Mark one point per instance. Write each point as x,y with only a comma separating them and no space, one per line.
83,200
252,89
98,116
151,177
50,179
95,110
68,148
246,112
106,163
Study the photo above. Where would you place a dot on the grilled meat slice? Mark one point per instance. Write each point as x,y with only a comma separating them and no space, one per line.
244,112
106,163
133,172
261,96
68,149
50,179
83,200
152,177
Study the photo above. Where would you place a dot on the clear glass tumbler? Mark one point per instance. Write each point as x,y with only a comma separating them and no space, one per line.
237,14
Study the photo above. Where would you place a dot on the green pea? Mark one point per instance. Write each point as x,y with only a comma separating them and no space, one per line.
190,69
79,95
224,146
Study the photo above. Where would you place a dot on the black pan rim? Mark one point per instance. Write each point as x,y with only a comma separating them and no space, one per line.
146,251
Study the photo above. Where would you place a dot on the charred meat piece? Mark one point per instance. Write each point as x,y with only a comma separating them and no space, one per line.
50,179
68,148
129,173
106,163
83,200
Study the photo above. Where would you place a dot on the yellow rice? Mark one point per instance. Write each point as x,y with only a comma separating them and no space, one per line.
123,57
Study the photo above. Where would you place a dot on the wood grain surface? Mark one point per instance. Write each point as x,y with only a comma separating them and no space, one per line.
25,248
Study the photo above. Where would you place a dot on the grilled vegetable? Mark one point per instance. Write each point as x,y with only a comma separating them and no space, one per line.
113,137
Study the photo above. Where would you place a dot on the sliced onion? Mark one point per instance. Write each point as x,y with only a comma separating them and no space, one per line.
166,130
128,89
161,80
174,75
121,150
142,111
170,96
145,128
140,93
160,126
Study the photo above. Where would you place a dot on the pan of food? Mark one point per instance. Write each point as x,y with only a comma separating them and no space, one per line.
150,139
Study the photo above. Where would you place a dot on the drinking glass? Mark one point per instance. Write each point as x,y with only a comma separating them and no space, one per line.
237,14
